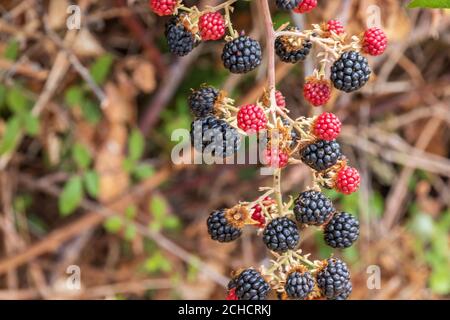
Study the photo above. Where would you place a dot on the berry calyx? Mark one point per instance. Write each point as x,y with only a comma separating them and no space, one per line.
374,41
317,92
163,7
211,26
327,126
292,49
335,26
347,180
306,6
251,118
276,158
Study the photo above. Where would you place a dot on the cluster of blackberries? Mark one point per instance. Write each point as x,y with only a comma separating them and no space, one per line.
209,134
331,280
341,229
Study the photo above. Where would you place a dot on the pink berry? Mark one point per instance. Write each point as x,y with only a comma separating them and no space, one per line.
251,118
306,6
347,180
327,126
276,158
317,92
163,7
374,41
335,26
281,101
212,26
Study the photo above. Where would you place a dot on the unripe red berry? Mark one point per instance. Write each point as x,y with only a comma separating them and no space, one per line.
306,6
212,26
276,158
163,7
317,92
232,294
251,118
257,214
281,101
374,41
347,180
327,126
335,26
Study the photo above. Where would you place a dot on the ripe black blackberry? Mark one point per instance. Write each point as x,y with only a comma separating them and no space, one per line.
214,136
313,208
281,234
341,231
321,155
350,72
250,285
333,278
202,101
242,54
220,227
287,4
292,49
180,40
346,293
299,285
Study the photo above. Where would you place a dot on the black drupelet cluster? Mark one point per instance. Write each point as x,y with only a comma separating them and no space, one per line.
299,285
313,208
333,279
287,4
180,40
287,52
350,72
215,137
341,231
250,285
242,54
220,229
281,234
202,101
346,293
321,155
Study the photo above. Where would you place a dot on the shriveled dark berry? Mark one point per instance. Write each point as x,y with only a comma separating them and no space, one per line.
292,49
250,285
321,155
342,230
281,234
201,101
220,229
294,135
242,54
313,208
333,278
214,136
179,39
299,285
350,72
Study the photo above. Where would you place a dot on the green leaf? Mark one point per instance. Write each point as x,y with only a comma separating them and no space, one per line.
71,196
429,4
12,50
10,136
171,223
158,207
130,232
91,183
143,171
129,165
31,124
136,145
130,212
74,96
91,111
157,263
113,224
101,68
81,156
17,101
